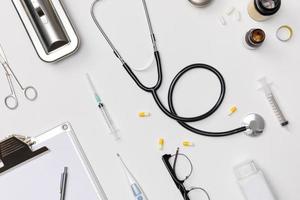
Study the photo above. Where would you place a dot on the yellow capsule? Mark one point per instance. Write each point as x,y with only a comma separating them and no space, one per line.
187,144
161,143
232,110
144,114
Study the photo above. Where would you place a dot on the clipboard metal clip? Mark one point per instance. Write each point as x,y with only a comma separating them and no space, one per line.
15,150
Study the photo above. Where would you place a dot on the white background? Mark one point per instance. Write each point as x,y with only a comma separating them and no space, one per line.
185,35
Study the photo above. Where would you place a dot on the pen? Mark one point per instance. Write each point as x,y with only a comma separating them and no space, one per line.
63,183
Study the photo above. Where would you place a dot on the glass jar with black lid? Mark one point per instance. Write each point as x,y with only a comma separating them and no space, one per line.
261,10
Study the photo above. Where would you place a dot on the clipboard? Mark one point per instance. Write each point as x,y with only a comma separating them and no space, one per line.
31,168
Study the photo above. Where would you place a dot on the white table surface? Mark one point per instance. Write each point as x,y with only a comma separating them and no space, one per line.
185,35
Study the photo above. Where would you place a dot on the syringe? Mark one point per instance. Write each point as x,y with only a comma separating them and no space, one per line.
109,122
272,100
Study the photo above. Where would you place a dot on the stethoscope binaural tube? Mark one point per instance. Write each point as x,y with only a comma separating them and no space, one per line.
171,112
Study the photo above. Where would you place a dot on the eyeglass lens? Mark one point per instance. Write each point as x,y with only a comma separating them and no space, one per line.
183,167
198,194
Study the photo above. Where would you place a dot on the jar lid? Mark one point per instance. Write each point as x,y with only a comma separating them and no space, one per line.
267,7
284,33
200,3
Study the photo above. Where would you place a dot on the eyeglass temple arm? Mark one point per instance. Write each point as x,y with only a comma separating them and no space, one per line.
175,160
171,171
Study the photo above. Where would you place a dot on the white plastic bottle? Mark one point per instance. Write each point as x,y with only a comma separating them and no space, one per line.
252,182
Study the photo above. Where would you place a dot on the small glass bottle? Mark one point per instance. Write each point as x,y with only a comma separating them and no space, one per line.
261,10
254,38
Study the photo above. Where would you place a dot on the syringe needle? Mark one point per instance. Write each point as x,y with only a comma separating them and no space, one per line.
97,97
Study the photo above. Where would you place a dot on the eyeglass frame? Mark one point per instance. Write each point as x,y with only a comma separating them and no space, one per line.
180,183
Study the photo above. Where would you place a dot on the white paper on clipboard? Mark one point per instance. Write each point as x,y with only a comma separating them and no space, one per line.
40,177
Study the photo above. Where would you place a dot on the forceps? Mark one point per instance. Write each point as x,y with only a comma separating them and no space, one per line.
11,101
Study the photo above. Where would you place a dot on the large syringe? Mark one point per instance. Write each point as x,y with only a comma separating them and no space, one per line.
265,86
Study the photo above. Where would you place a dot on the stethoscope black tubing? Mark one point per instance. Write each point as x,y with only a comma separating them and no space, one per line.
153,90
172,112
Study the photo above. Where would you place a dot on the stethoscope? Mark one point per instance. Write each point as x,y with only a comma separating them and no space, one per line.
252,125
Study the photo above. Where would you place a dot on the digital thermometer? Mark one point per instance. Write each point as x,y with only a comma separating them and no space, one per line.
137,191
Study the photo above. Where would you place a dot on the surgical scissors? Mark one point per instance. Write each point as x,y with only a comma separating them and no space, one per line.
11,101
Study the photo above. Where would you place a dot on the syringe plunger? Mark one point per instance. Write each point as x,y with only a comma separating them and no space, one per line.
271,99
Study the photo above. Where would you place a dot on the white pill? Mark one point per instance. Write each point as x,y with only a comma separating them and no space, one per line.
237,15
229,10
222,20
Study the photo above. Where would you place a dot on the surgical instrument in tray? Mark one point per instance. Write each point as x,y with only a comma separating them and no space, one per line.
171,112
265,86
49,28
11,101
109,122
136,189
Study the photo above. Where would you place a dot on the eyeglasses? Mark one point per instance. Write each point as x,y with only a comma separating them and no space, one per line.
181,178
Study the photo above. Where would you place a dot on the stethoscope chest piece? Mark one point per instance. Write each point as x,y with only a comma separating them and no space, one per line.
200,3
255,125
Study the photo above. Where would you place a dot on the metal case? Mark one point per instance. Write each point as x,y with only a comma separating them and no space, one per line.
48,27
